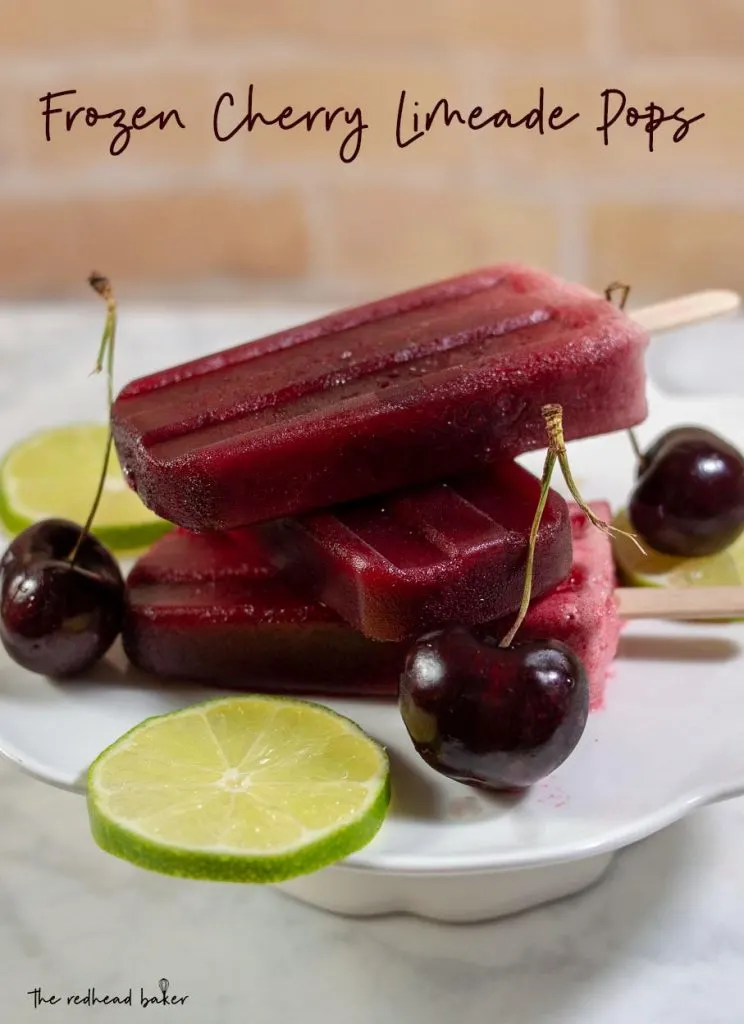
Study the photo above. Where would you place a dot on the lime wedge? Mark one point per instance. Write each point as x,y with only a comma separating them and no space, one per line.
240,789
726,569
56,473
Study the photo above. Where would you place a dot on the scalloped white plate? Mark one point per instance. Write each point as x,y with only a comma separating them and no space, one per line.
668,740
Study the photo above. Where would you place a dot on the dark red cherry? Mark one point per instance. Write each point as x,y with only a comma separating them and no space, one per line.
498,717
55,539
689,497
61,591
57,618
686,432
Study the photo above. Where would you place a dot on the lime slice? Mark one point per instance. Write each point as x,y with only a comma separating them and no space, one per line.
56,473
240,789
653,569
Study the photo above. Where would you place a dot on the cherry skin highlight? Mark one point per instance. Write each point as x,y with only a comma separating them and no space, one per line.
498,717
689,496
58,618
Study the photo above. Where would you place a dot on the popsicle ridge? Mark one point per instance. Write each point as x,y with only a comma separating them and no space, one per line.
408,535
445,517
343,320
404,563
376,372
265,379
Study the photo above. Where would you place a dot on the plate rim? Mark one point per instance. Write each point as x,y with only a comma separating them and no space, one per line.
622,836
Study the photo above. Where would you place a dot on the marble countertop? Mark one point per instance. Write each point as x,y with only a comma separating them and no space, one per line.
660,940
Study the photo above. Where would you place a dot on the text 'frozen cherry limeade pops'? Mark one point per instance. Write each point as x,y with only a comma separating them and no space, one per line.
406,562
211,608
416,387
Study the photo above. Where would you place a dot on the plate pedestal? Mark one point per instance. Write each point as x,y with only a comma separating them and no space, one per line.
455,898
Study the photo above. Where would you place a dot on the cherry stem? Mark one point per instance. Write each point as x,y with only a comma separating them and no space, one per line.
617,286
624,289
534,529
640,458
102,285
553,416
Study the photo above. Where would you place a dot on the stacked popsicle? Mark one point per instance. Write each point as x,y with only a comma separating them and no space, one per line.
346,485
211,607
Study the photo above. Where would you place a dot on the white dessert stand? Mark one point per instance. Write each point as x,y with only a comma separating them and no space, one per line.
668,740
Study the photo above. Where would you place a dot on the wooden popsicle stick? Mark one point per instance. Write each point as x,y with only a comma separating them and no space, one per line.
680,603
687,309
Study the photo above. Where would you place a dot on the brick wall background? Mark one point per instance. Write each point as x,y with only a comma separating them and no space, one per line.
276,214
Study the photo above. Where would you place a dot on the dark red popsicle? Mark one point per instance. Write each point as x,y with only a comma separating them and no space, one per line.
207,607
416,387
397,565
210,608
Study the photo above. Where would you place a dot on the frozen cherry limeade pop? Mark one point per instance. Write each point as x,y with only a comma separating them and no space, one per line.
399,564
416,387
209,607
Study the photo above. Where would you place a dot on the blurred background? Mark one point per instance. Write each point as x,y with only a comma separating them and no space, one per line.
275,215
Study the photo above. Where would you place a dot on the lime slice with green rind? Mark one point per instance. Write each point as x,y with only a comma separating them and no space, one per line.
239,789
55,473
725,569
